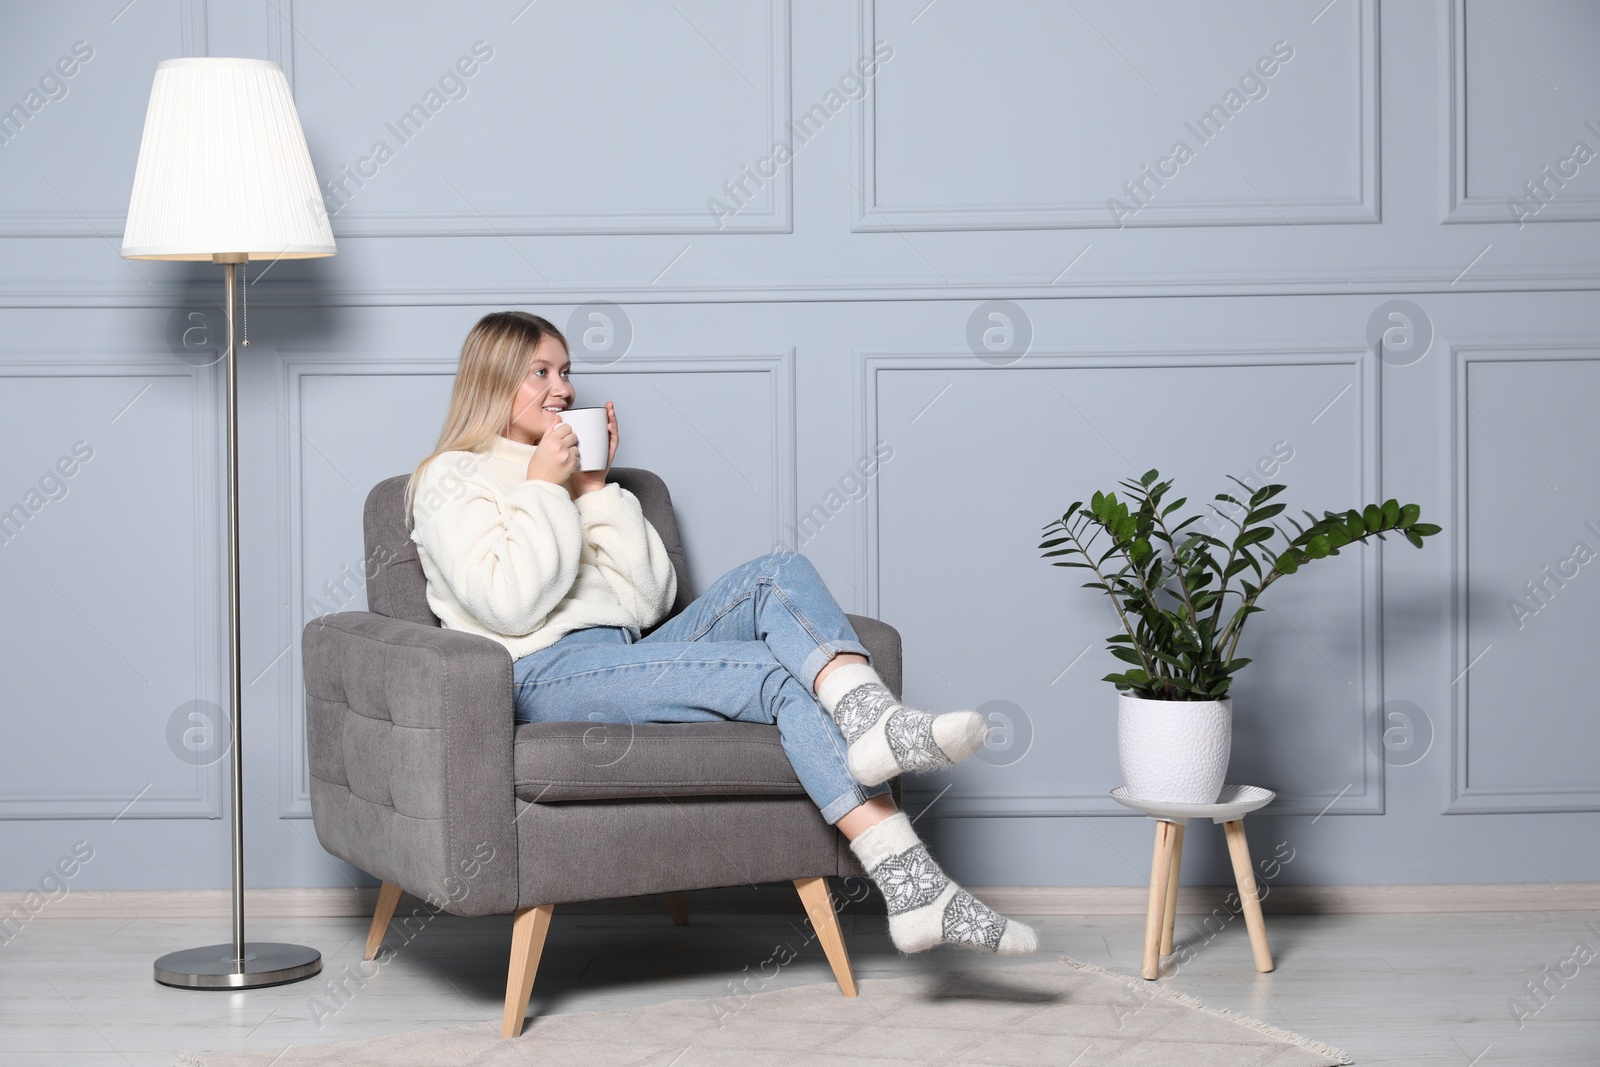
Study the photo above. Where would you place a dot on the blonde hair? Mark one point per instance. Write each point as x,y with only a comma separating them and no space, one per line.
494,361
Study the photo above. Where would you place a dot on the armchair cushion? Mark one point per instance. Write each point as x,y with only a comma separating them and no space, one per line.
556,761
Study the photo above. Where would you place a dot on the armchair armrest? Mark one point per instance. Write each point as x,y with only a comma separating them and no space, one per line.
409,730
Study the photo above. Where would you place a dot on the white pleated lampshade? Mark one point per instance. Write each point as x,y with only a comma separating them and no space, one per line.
223,167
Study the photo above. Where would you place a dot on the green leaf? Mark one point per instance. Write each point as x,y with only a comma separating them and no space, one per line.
1426,529
1408,514
1263,514
1372,518
1253,491
1267,492
1391,512
1169,660
1127,655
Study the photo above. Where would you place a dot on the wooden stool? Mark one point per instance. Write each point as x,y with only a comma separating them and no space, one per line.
1233,803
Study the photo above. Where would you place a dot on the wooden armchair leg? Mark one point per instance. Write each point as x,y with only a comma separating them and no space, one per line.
527,943
678,906
388,900
818,903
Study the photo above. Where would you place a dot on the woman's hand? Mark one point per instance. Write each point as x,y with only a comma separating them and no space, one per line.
588,481
555,457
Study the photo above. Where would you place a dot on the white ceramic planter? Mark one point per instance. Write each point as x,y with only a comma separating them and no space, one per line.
1174,751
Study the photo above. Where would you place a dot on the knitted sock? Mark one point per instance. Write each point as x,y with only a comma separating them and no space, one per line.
925,907
886,737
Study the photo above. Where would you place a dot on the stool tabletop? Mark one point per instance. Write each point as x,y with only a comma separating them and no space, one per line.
1234,802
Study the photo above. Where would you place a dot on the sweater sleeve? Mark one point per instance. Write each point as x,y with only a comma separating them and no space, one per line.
629,552
508,557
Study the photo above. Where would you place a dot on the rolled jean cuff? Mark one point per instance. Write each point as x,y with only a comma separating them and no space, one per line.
818,658
848,802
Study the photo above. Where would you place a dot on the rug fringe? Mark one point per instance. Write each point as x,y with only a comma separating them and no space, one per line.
1143,985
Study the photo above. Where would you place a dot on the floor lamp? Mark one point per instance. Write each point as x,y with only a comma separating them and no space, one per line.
224,175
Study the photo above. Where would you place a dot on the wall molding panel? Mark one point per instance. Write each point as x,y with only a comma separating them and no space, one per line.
1463,798
1364,796
65,218
204,799
1460,204
296,367
873,214
775,217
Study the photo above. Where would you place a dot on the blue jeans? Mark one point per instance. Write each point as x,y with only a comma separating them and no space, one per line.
748,649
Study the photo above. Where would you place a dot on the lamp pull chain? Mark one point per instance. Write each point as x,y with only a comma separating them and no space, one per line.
244,271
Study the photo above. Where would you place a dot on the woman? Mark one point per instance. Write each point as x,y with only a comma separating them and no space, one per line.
562,568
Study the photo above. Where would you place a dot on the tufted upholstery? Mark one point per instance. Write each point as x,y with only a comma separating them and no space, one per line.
408,735
420,776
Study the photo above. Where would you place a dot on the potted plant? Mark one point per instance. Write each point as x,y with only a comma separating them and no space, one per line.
1171,585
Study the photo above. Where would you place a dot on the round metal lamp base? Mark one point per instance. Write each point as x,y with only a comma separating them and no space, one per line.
214,967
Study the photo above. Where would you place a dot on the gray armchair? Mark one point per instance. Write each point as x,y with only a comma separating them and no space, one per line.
421,777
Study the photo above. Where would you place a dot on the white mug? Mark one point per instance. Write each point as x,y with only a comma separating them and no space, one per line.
594,436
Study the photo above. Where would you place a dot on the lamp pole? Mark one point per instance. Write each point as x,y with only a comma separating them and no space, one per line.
241,965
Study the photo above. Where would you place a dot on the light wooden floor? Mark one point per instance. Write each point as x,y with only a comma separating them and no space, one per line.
1391,989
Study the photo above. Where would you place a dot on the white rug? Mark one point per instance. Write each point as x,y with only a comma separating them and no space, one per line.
1030,1016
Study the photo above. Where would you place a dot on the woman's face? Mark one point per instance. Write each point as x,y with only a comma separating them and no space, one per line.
546,386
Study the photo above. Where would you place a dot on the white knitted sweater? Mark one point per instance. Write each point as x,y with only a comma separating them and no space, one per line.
522,562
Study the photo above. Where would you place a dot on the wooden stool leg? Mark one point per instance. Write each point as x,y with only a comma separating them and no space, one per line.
825,921
527,944
1155,912
1245,878
388,900
678,906
1172,891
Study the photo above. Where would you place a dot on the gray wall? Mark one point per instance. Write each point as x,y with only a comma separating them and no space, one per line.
1217,320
